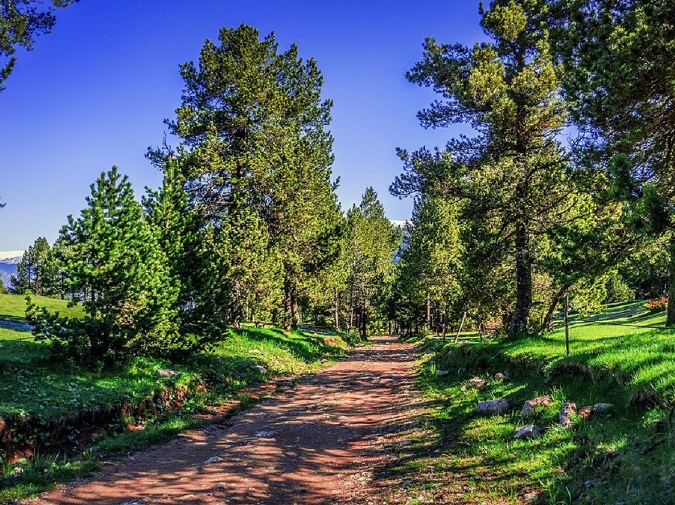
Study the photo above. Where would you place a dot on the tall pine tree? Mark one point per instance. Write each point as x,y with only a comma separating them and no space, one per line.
512,173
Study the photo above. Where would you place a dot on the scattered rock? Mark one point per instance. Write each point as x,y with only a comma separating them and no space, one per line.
492,407
603,408
585,412
266,434
260,369
477,382
221,486
442,373
530,496
566,414
530,406
212,459
527,432
165,372
284,384
500,376
254,351
407,483
589,483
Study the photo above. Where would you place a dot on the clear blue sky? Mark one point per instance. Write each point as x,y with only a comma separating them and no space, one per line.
96,91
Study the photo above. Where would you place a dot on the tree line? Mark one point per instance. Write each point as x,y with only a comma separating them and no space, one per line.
564,190
246,225
511,219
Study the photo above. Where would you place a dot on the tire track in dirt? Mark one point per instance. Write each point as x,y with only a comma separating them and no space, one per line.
318,443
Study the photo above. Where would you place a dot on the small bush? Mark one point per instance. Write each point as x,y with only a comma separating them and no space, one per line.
654,306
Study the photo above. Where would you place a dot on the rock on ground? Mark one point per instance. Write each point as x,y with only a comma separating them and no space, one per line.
530,406
492,407
567,413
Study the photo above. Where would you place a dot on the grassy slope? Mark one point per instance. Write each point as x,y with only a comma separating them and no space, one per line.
627,457
31,385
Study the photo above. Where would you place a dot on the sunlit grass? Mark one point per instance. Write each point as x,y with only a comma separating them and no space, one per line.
35,387
623,356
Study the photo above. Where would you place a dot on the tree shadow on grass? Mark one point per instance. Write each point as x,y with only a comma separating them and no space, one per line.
308,347
470,458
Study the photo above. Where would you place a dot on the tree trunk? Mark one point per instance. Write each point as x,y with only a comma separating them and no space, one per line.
363,323
461,326
428,311
670,317
521,314
337,311
546,325
444,324
295,314
287,309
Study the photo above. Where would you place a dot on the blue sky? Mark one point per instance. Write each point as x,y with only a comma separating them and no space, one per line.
96,91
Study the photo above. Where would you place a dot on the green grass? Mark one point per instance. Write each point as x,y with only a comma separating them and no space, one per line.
626,457
13,307
34,387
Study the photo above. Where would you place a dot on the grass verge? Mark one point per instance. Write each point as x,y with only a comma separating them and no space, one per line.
51,412
620,357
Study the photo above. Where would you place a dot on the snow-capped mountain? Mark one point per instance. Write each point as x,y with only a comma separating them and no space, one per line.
8,262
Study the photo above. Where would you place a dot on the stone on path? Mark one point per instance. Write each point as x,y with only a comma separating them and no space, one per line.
477,382
165,372
585,412
492,407
530,406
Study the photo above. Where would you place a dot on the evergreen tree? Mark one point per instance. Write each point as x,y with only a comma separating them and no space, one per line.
116,263
429,274
257,153
372,243
620,81
20,22
37,271
512,175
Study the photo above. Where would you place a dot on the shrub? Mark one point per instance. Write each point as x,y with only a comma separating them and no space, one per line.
655,306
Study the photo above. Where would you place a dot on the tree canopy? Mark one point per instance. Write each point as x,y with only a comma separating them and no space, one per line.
20,22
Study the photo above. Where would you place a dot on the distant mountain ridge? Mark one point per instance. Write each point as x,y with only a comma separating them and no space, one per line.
8,262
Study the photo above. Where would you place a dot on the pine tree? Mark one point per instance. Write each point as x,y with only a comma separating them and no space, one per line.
37,272
512,174
430,270
257,154
20,22
372,243
620,81
116,263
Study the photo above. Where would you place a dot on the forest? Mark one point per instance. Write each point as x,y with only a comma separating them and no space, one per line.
561,199
563,191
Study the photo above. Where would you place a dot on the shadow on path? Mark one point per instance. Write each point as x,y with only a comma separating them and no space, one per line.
320,442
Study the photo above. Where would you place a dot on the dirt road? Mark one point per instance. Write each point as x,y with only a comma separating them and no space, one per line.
317,443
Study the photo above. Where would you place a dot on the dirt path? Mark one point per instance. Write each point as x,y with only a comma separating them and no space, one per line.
318,443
